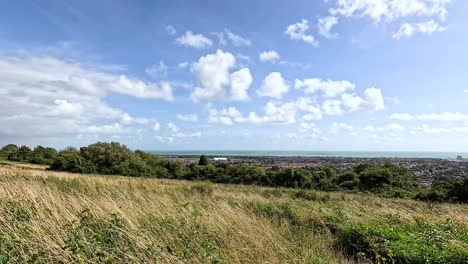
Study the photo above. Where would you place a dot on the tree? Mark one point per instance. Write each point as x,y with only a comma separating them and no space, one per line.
68,159
41,155
203,161
10,150
460,190
348,180
24,154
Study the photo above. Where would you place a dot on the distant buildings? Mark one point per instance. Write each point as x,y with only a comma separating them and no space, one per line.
459,158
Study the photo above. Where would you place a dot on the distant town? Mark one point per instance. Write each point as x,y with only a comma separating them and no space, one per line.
425,169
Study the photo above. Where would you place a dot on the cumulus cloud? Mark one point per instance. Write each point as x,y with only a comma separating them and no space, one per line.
127,119
114,128
408,30
332,107
46,97
328,88
274,86
213,73
274,113
240,83
373,101
298,31
188,117
183,65
156,126
197,41
173,127
390,10
325,26
269,56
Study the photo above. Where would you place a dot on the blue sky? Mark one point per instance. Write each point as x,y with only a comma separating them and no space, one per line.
293,75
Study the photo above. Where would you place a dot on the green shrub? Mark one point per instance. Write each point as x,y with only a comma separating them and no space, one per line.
418,242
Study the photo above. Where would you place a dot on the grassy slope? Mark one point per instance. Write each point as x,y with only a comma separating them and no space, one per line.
52,217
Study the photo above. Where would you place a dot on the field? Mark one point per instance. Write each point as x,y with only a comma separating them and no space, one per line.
62,217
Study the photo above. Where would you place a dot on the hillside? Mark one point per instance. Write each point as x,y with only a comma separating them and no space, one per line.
63,217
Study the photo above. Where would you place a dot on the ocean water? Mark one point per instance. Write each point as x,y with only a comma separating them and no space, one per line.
281,153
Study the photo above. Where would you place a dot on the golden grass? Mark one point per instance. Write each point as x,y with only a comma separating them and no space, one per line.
172,221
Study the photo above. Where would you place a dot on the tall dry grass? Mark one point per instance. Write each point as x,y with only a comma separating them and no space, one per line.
61,217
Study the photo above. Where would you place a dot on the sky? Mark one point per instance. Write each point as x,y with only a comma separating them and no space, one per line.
351,75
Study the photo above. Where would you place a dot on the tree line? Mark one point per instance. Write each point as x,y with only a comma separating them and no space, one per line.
116,159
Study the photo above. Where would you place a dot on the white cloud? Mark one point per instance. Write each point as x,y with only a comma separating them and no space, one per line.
240,83
329,88
269,56
225,116
183,65
188,117
373,101
212,71
273,86
298,30
274,113
332,107
114,128
170,30
156,126
197,41
157,70
445,117
408,30
314,113
390,10
173,127
126,119
237,40
325,26
352,102
47,97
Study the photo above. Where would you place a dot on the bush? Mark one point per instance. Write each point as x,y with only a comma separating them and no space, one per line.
418,242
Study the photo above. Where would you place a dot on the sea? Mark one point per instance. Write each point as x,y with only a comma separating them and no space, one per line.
284,153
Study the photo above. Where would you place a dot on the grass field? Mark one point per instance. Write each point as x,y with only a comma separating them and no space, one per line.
61,217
